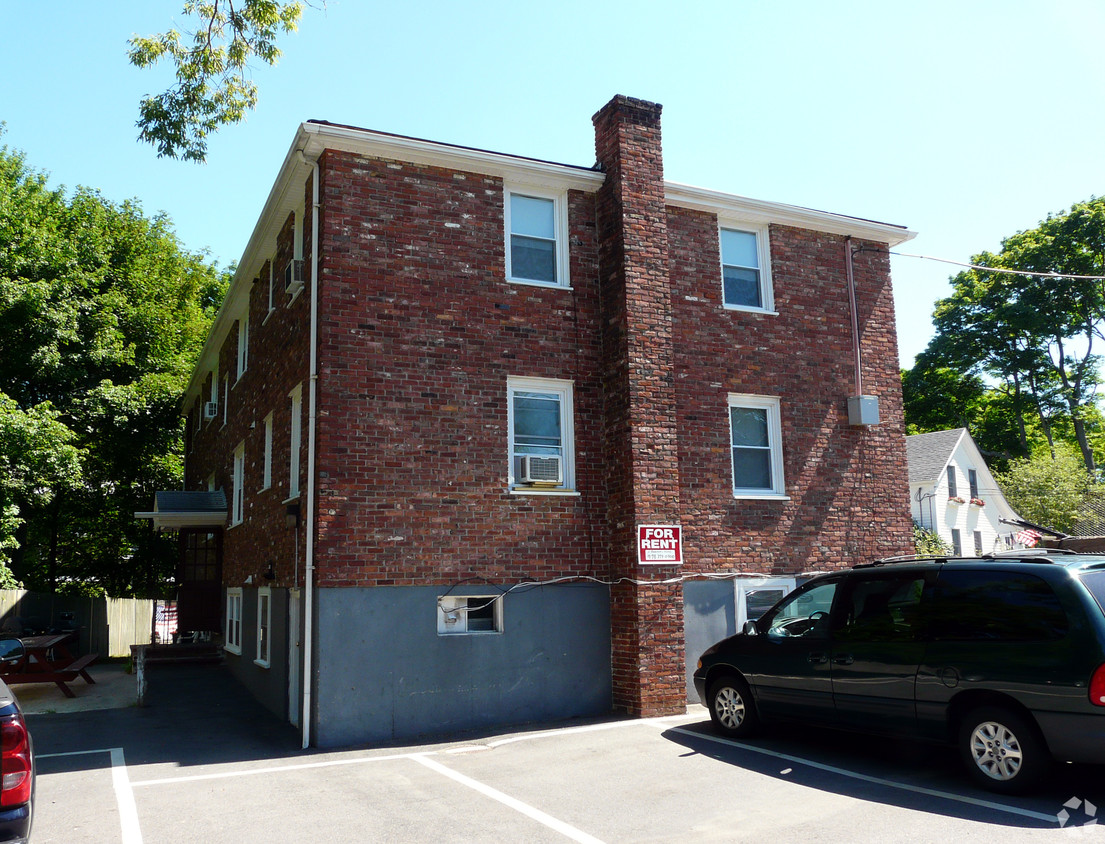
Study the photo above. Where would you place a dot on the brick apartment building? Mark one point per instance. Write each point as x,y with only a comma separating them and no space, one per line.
448,386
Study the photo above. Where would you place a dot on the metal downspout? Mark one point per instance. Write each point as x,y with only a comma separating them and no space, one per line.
312,415
855,314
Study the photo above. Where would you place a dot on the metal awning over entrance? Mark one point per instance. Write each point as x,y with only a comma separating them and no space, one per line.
180,509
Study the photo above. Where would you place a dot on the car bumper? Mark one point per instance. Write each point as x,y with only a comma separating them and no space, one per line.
1074,737
15,824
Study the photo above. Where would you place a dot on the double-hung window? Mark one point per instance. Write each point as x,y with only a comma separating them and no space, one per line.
264,611
234,620
239,492
756,439
952,486
266,466
296,395
540,434
746,269
536,247
243,344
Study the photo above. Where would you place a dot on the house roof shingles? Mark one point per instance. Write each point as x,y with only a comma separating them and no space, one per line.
928,454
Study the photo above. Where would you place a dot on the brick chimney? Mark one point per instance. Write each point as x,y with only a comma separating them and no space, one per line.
640,443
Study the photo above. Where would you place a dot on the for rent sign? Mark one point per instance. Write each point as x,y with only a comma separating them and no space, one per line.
660,545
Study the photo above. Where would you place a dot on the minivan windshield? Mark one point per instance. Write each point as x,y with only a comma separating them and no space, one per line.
1095,582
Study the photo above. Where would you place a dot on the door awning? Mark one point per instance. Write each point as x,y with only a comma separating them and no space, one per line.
179,509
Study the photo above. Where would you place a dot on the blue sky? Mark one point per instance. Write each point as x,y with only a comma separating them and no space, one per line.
965,121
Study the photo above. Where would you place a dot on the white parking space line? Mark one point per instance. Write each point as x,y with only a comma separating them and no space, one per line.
844,772
272,769
529,811
124,792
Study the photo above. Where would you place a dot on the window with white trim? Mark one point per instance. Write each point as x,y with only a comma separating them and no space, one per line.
295,429
472,614
957,543
233,641
746,269
540,432
266,466
243,344
264,624
238,494
952,486
536,243
226,397
272,286
756,439
214,390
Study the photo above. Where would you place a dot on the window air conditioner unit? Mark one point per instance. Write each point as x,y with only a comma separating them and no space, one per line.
293,277
540,470
210,410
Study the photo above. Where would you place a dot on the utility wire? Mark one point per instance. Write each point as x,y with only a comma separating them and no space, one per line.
1051,274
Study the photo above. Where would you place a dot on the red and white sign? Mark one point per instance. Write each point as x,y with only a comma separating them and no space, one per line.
660,545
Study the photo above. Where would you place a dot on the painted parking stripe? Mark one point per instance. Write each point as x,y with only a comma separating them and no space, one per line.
124,791
529,811
901,786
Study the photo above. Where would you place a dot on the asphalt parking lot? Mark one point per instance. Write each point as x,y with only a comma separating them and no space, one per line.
204,763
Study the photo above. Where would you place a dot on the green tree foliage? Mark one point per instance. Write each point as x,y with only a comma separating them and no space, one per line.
212,65
929,544
1047,489
102,314
1034,338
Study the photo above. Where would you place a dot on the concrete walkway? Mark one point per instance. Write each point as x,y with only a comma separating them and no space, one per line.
114,689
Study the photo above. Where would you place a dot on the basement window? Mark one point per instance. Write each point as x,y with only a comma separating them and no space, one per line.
473,614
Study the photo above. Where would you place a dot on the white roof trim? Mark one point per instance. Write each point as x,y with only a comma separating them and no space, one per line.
764,212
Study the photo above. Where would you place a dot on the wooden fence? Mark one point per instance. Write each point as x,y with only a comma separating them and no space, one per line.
107,626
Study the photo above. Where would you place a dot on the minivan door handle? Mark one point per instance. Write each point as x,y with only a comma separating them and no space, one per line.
844,659
817,658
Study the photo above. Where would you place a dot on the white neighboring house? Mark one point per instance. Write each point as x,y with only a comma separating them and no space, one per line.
953,494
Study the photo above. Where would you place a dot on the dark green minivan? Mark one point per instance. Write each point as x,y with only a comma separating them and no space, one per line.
1002,655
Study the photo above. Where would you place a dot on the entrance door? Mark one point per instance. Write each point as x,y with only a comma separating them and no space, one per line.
199,594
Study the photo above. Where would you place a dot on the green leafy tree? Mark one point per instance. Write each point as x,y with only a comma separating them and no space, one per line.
1037,337
1049,487
102,314
212,64
929,544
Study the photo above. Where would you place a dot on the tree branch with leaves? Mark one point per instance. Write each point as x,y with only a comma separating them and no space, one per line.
213,88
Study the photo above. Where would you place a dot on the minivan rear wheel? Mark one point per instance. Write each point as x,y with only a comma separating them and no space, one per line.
1002,750
731,707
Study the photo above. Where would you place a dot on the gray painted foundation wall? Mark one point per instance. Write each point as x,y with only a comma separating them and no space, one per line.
268,685
384,673
709,615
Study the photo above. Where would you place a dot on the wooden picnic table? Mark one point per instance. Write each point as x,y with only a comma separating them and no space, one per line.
48,660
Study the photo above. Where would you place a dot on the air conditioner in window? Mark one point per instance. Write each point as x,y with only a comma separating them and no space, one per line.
210,410
293,277
540,470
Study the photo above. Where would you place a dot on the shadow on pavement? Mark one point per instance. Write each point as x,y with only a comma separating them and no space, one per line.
905,774
195,715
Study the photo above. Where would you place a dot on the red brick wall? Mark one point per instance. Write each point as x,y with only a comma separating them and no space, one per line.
641,433
849,500
277,362
419,333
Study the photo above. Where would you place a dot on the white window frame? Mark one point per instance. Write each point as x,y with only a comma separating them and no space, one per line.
272,289
560,232
742,586
763,254
233,640
243,345
266,466
214,391
264,627
452,614
775,444
238,493
562,389
295,436
226,397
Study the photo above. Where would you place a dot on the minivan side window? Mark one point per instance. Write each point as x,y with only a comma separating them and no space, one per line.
883,609
995,607
803,613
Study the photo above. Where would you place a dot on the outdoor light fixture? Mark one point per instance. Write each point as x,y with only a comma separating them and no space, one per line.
291,515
